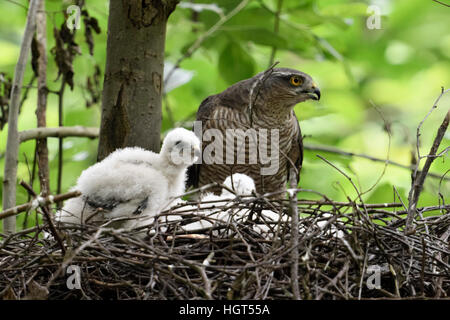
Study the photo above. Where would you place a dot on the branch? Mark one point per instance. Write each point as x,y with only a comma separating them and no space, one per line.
206,35
59,132
257,87
26,92
353,184
46,201
294,233
46,213
444,4
276,28
365,156
418,182
387,127
12,144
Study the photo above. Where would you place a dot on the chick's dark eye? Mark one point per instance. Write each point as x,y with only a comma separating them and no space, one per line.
178,142
296,81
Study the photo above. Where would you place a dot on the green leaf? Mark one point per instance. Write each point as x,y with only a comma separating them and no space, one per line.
385,193
346,9
304,4
299,38
308,110
235,63
342,162
259,36
252,16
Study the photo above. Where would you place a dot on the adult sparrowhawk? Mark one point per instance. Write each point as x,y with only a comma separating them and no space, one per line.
257,112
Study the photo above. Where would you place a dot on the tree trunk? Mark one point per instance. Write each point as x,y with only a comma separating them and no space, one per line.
12,143
131,102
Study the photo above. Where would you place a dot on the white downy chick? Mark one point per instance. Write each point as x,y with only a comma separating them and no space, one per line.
333,230
133,182
271,217
242,185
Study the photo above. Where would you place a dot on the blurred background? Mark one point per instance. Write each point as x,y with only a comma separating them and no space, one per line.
380,66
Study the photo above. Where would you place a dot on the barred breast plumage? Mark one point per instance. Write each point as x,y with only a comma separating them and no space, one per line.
246,116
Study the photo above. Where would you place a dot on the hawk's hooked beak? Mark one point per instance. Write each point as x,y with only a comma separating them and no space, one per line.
314,93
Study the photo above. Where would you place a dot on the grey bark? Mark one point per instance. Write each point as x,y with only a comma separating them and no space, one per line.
41,144
132,91
12,143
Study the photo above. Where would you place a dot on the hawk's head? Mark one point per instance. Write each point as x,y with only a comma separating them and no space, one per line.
288,87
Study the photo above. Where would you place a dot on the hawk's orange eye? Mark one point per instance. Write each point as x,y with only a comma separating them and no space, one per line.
296,81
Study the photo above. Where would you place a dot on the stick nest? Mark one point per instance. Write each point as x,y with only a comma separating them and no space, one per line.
361,251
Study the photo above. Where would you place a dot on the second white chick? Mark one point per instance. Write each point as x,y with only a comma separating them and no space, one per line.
241,184
133,185
272,219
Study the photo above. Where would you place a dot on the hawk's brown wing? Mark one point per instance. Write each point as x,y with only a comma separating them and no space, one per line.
235,97
193,172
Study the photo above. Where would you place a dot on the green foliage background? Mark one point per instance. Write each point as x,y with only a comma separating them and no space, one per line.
400,68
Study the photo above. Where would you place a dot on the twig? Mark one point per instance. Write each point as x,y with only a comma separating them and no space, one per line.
27,90
46,215
335,279
32,174
256,86
352,183
444,4
422,271
18,4
295,235
60,142
419,179
69,259
363,273
59,132
388,131
202,272
360,155
47,200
